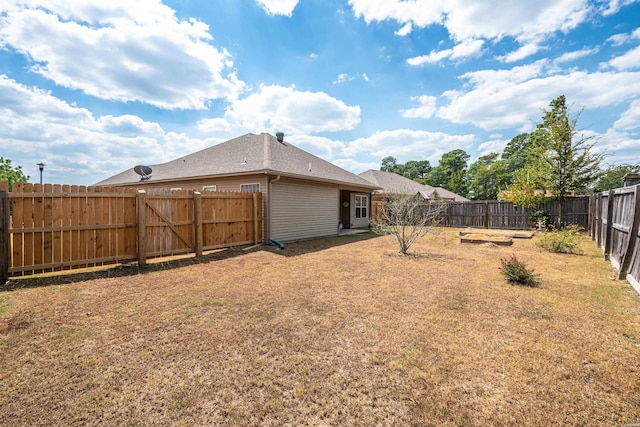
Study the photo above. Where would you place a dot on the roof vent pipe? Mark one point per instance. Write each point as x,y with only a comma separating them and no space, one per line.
280,136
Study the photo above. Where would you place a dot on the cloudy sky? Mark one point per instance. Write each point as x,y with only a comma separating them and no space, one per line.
94,87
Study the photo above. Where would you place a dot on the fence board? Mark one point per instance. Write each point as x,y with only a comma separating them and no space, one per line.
4,236
65,227
505,215
616,229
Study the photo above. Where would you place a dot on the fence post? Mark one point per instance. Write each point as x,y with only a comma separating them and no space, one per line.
141,203
4,237
255,218
486,215
598,220
591,217
607,238
632,236
197,222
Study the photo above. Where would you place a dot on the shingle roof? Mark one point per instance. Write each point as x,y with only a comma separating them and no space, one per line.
392,183
247,154
443,193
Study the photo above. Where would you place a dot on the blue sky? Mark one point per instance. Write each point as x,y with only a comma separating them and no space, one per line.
94,87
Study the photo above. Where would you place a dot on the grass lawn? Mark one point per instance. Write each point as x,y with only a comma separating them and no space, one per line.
339,332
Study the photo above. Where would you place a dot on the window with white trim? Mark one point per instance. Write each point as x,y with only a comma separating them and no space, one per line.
209,188
361,206
250,188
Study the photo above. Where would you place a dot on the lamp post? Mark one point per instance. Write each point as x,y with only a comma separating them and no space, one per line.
41,167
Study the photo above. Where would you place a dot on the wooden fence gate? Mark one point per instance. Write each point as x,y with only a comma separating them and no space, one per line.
61,227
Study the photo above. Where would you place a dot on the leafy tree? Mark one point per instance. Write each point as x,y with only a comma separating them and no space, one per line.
486,177
522,190
450,172
416,169
612,177
437,177
568,162
390,164
520,152
413,169
10,173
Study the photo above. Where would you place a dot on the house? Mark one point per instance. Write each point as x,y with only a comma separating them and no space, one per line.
392,183
303,195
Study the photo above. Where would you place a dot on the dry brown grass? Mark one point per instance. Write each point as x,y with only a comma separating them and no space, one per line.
332,332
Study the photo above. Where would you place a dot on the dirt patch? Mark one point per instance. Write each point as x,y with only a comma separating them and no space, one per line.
329,332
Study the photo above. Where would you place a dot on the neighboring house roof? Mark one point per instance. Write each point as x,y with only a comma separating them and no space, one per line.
247,154
392,183
443,193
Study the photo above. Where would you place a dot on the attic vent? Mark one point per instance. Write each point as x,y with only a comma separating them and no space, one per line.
280,136
309,167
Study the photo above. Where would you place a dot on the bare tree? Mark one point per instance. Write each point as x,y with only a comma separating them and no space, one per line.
407,218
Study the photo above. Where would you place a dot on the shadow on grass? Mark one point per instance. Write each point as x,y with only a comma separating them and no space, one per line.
170,263
293,249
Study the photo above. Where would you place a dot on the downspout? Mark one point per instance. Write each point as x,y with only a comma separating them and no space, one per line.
268,231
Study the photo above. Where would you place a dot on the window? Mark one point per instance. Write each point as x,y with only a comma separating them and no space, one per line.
250,188
361,206
209,188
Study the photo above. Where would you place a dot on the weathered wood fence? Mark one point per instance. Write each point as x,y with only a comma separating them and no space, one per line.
505,215
615,226
60,227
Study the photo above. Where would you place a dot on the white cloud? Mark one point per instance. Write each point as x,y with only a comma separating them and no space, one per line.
522,52
433,57
492,146
405,30
121,51
215,125
278,7
406,144
288,110
426,109
630,119
615,5
502,99
466,49
622,147
355,166
324,147
619,39
576,54
344,77
481,19
76,146
628,61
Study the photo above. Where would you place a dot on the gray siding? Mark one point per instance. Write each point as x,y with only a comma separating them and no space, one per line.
301,211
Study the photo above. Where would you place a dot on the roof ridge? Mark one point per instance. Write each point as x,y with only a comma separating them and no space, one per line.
267,151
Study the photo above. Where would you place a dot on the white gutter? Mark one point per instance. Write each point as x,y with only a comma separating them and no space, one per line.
267,223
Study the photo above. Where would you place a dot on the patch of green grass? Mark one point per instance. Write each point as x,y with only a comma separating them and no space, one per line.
6,308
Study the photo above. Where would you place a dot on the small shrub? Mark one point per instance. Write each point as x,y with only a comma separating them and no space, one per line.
539,215
517,273
563,241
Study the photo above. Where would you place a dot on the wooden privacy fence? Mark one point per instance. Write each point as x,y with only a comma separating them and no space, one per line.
615,227
61,227
505,215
